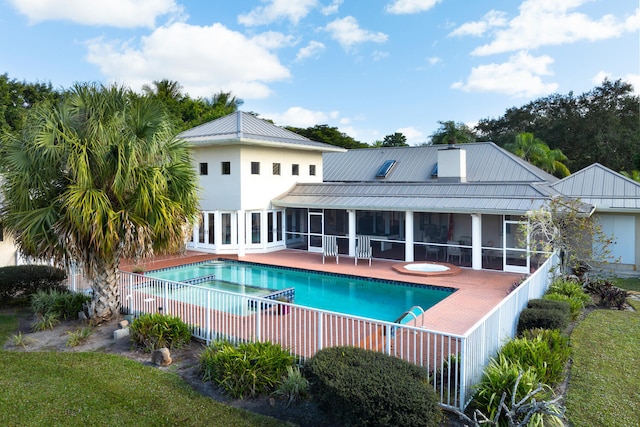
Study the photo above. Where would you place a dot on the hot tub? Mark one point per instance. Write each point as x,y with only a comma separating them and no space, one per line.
424,267
427,268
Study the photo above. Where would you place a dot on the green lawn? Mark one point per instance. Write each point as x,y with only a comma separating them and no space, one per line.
83,389
630,284
604,387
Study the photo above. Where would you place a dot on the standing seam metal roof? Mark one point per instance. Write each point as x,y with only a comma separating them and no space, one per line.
241,127
486,162
602,187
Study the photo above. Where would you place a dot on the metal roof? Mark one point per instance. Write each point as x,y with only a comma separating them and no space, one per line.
244,128
504,198
600,186
486,162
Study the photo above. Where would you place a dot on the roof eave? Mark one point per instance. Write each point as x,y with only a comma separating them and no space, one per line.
205,141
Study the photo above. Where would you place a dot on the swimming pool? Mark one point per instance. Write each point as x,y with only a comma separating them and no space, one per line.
371,298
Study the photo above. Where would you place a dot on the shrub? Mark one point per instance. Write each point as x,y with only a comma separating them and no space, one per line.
550,304
22,281
534,318
572,289
45,321
79,336
575,305
153,331
249,369
294,386
63,304
363,387
546,351
500,378
608,294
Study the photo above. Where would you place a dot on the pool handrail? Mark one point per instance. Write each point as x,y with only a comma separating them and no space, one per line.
410,312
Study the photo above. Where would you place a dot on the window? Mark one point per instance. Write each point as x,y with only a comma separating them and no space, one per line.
312,170
212,233
295,169
276,168
226,168
255,168
385,168
204,168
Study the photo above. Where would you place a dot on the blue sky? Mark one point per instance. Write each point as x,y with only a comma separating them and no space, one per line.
370,68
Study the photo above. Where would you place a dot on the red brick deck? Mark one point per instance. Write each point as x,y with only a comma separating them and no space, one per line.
477,291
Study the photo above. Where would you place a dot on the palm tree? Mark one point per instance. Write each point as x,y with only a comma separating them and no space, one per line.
94,178
451,132
634,174
536,152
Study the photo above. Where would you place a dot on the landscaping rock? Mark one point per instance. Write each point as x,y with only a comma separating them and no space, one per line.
123,324
161,357
118,334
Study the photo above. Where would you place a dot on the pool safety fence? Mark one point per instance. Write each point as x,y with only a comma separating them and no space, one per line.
454,362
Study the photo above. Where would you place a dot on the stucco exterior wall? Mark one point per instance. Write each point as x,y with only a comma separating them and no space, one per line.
242,190
258,190
7,252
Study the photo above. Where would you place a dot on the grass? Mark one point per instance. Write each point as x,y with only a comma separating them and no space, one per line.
604,387
80,389
629,283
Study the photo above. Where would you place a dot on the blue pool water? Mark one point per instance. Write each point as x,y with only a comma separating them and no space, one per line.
371,298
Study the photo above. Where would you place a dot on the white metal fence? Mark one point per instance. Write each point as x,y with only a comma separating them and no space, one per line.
455,362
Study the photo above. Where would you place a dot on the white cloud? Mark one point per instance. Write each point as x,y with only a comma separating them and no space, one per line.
312,50
115,13
599,77
491,19
301,117
632,79
414,136
518,77
543,23
434,60
293,10
273,40
332,8
204,60
400,7
379,55
348,33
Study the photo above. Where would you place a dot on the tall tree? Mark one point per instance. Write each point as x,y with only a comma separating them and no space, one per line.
396,139
602,125
452,133
17,98
328,135
98,177
536,152
189,112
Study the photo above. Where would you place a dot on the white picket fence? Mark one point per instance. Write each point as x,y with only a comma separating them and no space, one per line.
455,362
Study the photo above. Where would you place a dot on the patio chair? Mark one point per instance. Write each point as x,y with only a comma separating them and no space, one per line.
363,249
329,247
454,252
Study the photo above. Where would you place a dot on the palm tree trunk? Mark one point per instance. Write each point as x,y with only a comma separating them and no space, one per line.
106,295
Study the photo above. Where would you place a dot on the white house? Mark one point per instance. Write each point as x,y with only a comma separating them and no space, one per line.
265,188
244,162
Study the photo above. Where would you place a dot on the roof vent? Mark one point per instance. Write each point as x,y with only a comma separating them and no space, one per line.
385,168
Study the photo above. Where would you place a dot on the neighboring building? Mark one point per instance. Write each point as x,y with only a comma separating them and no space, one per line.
265,188
616,199
8,250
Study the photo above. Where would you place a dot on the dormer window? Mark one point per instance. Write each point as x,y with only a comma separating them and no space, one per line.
385,169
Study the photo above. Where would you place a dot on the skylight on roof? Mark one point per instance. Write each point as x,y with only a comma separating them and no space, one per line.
385,169
434,172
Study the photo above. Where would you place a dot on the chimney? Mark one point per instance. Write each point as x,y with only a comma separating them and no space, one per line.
452,164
